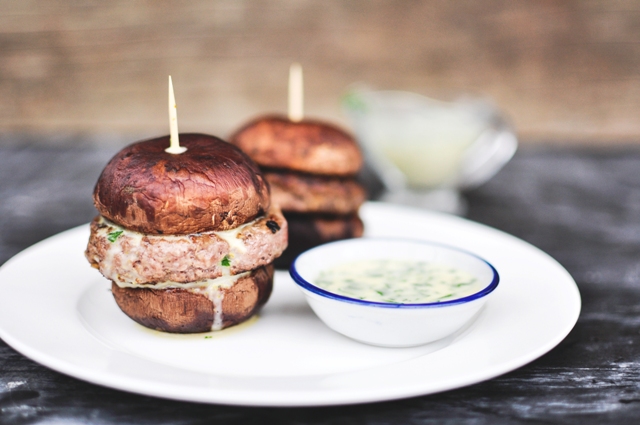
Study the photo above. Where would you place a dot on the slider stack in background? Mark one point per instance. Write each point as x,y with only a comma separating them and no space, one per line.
311,168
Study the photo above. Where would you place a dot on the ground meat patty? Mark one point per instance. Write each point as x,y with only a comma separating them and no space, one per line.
309,230
192,310
137,258
296,192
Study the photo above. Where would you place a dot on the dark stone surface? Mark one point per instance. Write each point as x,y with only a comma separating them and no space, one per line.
580,206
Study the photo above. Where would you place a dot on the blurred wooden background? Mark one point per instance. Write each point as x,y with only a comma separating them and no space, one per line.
564,71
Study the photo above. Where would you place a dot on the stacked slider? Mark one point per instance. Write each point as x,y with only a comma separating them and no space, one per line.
187,240
311,167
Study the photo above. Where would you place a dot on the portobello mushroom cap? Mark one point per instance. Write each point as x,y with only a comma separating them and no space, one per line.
212,186
307,146
185,311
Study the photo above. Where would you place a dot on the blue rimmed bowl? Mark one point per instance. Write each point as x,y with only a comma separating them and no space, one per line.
391,324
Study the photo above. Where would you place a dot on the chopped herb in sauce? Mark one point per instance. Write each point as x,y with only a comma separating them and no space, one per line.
226,262
398,281
114,235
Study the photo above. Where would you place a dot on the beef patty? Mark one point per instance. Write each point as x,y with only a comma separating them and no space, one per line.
130,257
306,193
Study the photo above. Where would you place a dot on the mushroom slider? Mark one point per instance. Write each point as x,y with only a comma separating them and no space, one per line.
187,240
311,167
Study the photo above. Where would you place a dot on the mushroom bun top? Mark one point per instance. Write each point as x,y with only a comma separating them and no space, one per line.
212,186
307,146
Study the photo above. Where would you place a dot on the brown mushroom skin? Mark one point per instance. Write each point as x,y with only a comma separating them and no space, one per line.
212,186
307,146
182,311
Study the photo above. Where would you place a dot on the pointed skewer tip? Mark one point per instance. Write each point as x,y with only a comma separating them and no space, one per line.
174,140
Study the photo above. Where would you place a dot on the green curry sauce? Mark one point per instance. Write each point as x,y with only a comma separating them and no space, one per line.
398,281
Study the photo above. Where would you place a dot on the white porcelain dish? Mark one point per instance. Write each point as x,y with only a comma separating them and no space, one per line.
387,324
58,311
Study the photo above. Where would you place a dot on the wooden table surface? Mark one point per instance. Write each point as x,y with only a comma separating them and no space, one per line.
581,206
561,70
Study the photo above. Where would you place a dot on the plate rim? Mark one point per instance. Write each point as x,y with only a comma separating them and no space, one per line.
103,377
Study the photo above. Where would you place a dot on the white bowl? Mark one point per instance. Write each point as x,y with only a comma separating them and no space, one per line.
389,324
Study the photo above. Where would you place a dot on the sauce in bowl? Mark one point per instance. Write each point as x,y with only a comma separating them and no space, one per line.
398,281
394,292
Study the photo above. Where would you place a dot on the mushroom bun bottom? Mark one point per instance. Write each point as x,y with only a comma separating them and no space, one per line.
194,308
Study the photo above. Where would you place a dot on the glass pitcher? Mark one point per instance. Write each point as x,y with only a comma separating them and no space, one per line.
426,150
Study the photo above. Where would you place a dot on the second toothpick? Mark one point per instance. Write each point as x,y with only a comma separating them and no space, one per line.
296,93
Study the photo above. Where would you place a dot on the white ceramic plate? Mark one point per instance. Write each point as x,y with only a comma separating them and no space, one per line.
58,311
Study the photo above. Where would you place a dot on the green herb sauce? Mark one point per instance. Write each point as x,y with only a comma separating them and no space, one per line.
398,281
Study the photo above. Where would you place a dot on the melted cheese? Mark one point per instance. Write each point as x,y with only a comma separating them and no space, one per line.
231,237
221,282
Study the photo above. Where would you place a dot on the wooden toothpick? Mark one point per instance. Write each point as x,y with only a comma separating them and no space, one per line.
174,147
296,94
